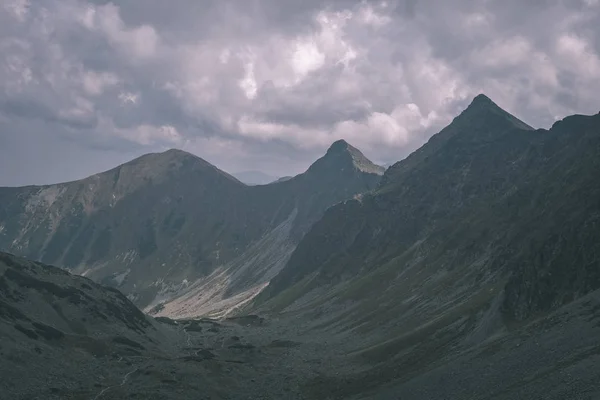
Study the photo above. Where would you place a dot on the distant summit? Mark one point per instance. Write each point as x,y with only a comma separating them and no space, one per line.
341,155
158,162
171,165
283,179
171,154
255,177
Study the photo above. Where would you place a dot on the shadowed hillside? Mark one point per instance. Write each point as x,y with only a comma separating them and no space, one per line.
489,225
166,225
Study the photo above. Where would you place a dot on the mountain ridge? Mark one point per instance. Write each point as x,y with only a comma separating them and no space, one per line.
470,270
485,229
468,128
343,155
482,106
157,160
475,172
157,224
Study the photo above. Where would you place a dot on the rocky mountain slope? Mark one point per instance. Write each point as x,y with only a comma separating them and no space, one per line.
488,196
488,226
471,272
66,337
49,318
170,225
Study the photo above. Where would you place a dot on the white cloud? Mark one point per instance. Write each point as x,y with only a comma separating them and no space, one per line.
18,8
140,41
306,58
367,15
477,20
265,131
393,129
505,52
128,98
95,83
248,83
151,135
224,56
578,55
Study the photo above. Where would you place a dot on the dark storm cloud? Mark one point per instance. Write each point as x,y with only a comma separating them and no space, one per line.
264,84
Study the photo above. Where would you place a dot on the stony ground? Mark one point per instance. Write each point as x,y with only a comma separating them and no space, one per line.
65,337
557,357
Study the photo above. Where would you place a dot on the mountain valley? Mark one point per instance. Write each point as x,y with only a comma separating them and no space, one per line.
468,270
65,337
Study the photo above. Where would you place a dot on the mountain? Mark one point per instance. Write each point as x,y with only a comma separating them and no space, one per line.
169,224
255,177
54,326
283,179
469,272
488,226
66,337
125,225
285,210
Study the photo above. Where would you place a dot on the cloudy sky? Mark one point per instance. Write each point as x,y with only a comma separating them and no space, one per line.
269,84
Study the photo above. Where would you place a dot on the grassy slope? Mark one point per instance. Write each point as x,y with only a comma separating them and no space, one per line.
472,236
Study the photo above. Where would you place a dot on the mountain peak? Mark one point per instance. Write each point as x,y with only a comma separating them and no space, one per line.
342,154
165,157
176,152
483,110
481,103
483,120
164,166
343,147
173,154
339,146
482,99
